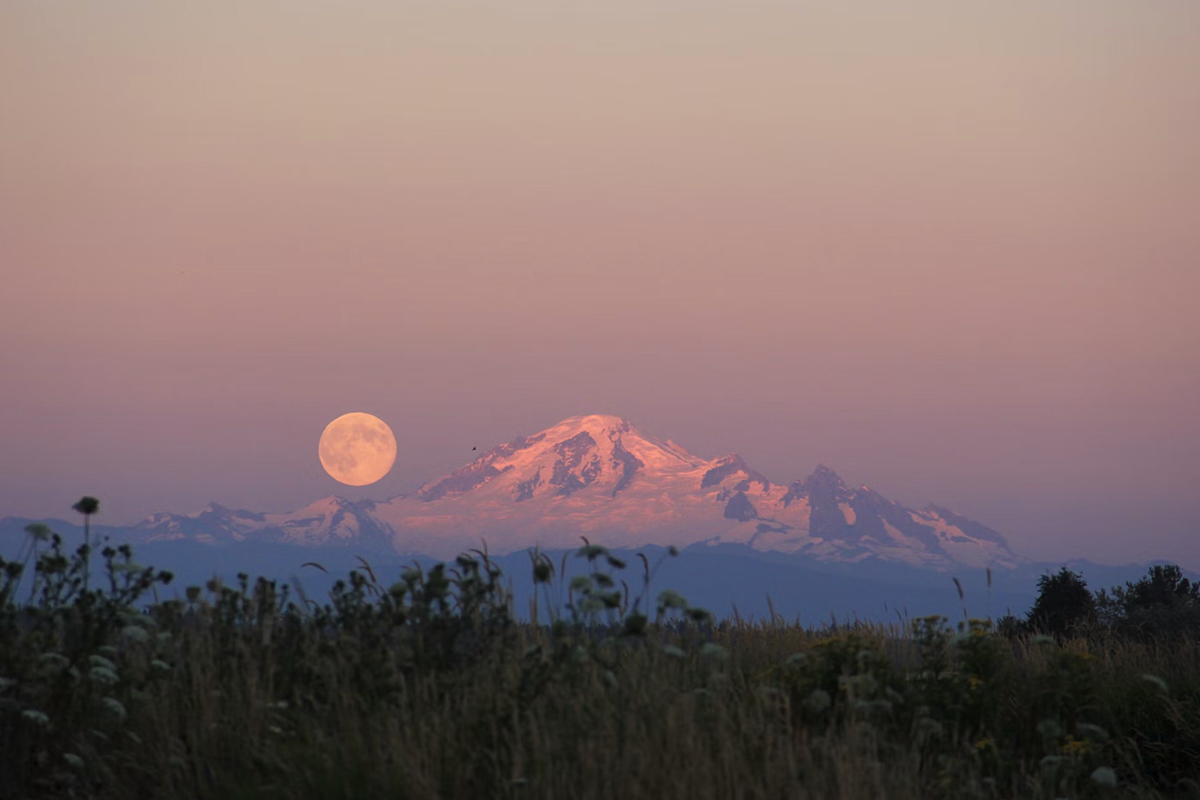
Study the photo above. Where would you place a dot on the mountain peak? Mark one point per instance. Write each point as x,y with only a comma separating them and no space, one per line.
596,420
730,465
598,425
332,503
599,454
825,474
826,483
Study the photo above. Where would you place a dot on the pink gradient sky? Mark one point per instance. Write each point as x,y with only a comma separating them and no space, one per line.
950,249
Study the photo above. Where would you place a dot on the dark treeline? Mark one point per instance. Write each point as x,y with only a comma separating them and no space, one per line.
1163,605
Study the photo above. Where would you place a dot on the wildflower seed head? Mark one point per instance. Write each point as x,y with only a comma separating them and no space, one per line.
103,676
87,506
591,605
1158,682
54,661
101,661
671,599
114,707
39,531
1104,776
36,717
135,633
592,551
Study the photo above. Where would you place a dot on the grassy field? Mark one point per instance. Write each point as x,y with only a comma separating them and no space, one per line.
424,686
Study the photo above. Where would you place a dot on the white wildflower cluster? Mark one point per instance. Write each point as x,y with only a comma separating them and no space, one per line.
103,676
673,651
114,707
38,718
135,633
101,661
54,661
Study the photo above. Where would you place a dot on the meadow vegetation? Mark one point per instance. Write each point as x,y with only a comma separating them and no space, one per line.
426,685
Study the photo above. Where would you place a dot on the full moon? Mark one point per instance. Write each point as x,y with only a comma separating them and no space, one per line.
357,449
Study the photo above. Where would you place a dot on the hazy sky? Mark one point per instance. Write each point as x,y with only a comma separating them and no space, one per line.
951,249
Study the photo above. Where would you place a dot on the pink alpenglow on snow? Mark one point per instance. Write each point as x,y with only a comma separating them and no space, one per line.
601,477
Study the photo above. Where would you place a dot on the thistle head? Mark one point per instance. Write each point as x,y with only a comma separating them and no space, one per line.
39,531
87,506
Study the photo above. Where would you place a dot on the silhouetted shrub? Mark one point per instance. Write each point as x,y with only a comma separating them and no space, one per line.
1010,627
1064,605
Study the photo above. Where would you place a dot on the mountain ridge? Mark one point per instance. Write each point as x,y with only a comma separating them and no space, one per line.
600,476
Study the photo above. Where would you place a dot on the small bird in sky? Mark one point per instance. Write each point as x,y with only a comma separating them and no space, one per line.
473,448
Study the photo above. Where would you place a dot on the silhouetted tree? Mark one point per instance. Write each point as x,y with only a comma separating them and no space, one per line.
1163,587
1064,604
1163,602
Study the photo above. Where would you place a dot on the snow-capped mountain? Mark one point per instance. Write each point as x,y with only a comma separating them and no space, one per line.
601,477
331,521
